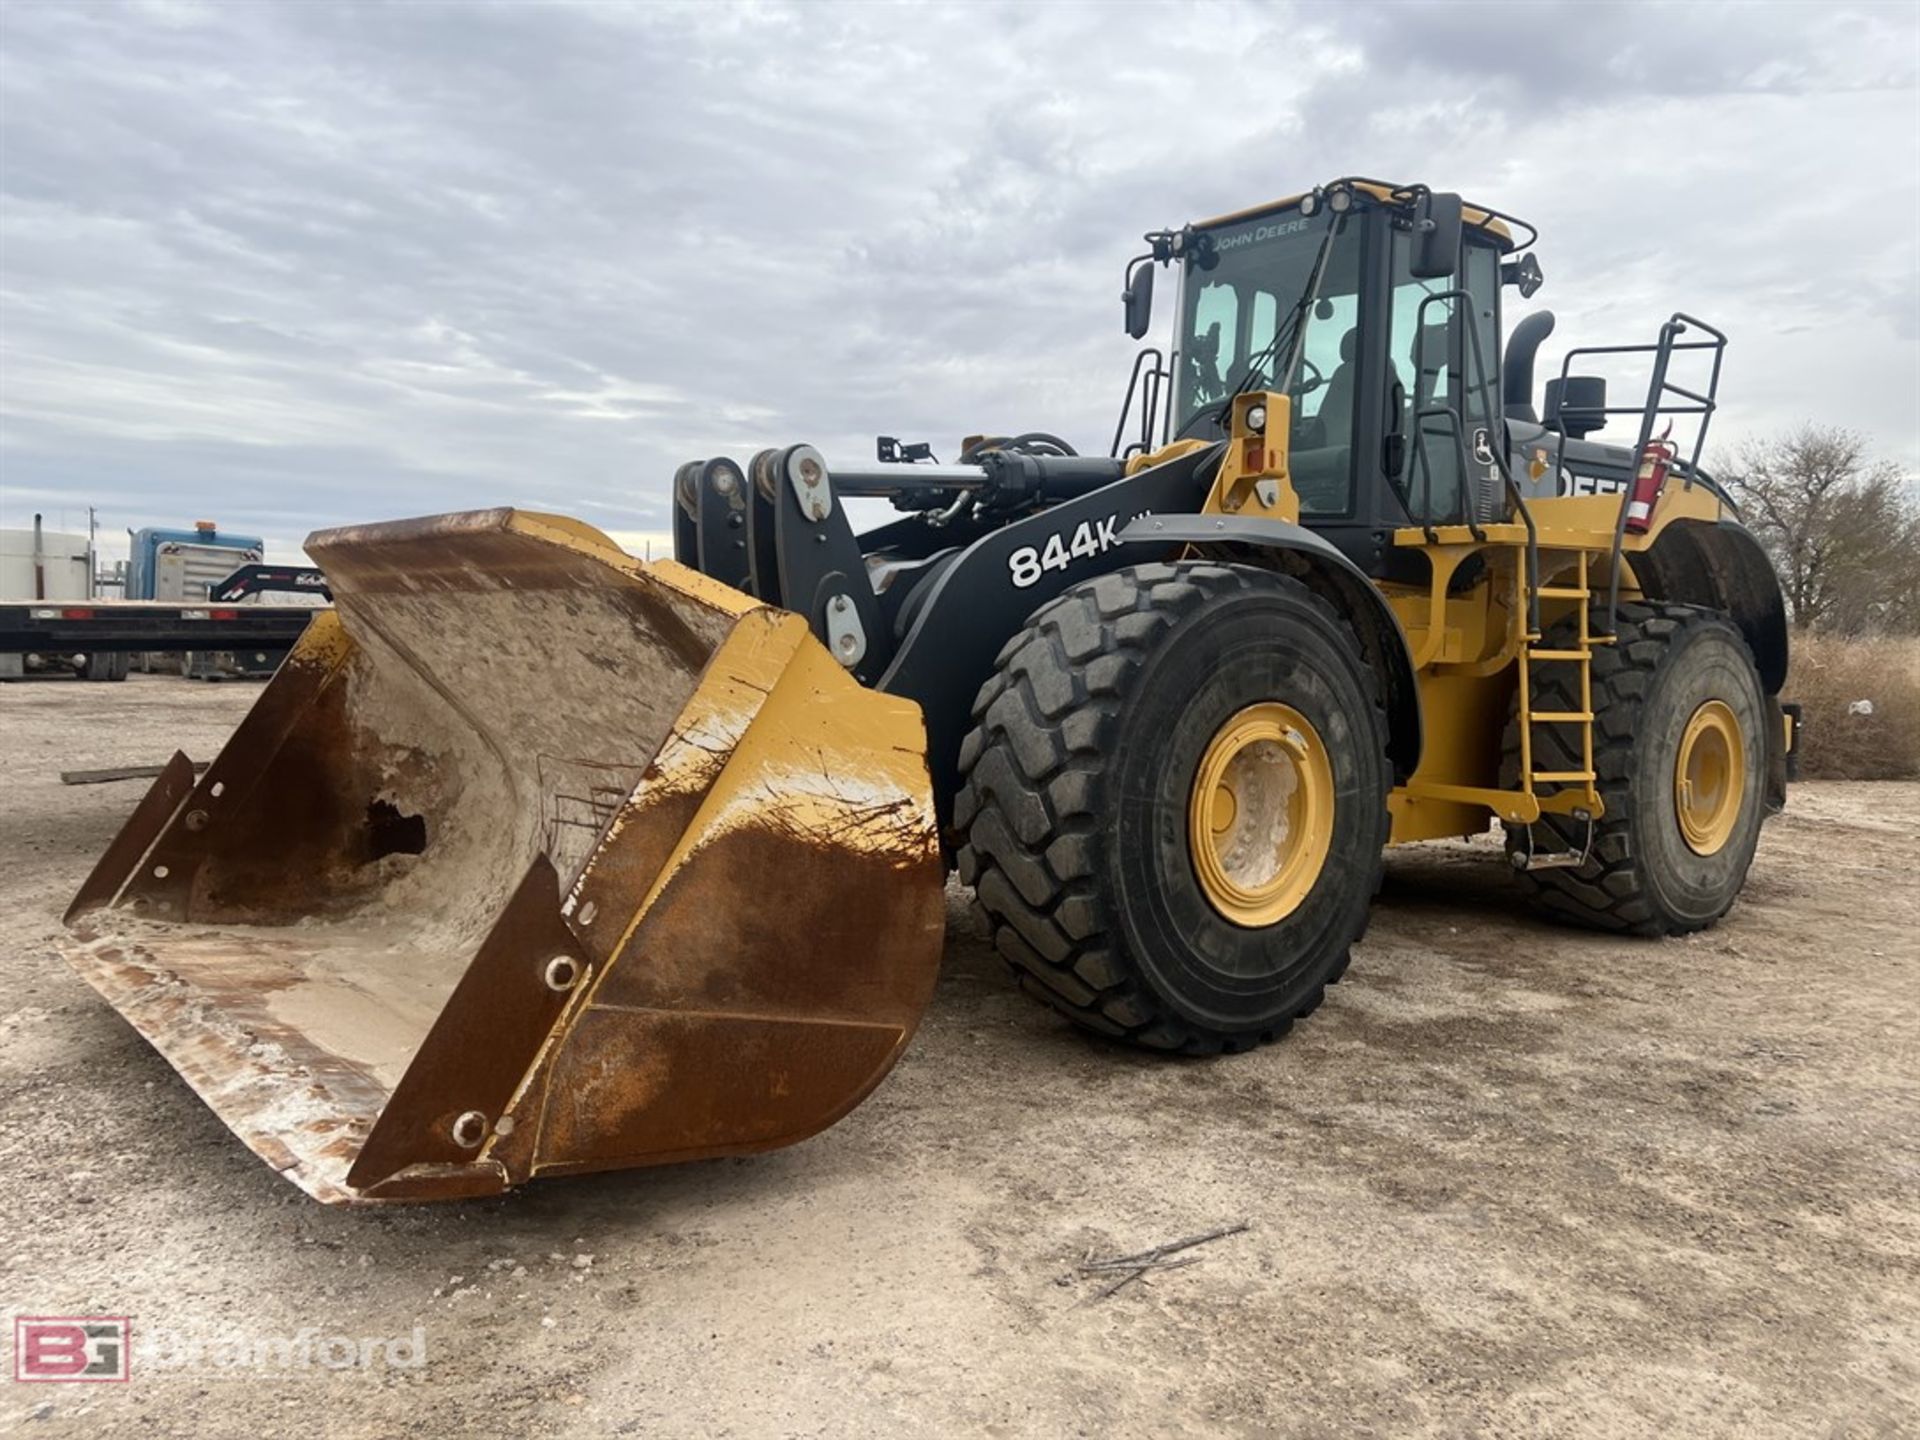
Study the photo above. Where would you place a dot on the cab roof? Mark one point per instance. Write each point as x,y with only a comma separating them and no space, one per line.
1479,217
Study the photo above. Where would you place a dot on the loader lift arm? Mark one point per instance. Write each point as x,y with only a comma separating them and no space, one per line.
1071,518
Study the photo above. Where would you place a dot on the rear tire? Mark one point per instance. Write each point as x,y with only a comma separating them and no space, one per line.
1081,805
1672,668
105,665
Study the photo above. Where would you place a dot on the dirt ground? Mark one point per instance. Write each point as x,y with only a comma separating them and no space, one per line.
1510,1180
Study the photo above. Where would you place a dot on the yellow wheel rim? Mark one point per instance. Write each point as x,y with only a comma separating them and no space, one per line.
1709,778
1260,819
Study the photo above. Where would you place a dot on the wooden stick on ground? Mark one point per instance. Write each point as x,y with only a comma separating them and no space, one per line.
1171,1247
1137,1266
119,772
1141,1272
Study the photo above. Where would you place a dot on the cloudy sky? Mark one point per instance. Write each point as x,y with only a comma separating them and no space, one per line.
290,265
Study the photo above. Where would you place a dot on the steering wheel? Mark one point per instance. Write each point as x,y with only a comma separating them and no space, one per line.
1310,378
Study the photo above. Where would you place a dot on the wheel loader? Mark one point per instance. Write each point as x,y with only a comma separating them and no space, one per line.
534,858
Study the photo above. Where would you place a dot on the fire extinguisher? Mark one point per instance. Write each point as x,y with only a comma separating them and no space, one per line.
1655,460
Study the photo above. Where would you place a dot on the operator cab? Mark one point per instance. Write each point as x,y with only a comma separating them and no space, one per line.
1391,358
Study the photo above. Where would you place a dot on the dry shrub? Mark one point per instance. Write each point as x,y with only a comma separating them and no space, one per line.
1829,673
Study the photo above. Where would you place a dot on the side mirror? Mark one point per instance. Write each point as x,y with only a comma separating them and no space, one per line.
1436,236
1138,298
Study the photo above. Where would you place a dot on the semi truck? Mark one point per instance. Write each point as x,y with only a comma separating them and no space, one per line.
54,619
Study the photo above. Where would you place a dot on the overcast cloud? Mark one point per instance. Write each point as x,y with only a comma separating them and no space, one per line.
294,265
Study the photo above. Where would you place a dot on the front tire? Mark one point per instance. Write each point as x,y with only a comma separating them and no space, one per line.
1680,752
1174,803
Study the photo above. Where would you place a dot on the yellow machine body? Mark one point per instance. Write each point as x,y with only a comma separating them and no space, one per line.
1474,646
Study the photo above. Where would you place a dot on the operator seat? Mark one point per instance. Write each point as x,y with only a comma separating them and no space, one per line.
1336,406
1322,462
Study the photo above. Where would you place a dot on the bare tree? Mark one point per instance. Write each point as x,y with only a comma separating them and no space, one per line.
1843,530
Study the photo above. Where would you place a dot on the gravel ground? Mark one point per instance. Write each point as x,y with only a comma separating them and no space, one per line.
1510,1179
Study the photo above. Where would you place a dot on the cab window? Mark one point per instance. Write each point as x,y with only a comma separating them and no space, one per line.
1213,342
1328,347
1258,274
1449,406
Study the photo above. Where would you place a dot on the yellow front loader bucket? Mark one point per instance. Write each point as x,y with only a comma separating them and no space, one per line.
532,859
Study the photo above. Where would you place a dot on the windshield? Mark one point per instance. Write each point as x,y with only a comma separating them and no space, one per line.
1231,315
1234,309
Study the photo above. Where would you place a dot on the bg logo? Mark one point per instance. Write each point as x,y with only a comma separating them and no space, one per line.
70,1347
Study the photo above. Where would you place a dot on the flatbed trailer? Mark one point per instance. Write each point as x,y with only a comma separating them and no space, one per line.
114,627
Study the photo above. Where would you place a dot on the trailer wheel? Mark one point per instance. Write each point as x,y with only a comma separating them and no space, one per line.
1680,752
1174,803
105,665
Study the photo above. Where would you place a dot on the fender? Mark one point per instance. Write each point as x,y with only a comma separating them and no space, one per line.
1300,552
1721,564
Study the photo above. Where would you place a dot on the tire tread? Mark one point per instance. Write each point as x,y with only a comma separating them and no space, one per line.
1033,786
1610,891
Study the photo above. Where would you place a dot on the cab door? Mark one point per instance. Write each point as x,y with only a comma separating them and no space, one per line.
1443,352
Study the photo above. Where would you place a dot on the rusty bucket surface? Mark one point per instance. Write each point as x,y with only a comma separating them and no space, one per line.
532,858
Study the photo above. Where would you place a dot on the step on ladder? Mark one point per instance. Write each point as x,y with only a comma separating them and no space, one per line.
1581,655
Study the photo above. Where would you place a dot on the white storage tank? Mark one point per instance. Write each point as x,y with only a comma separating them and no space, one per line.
42,564
58,566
